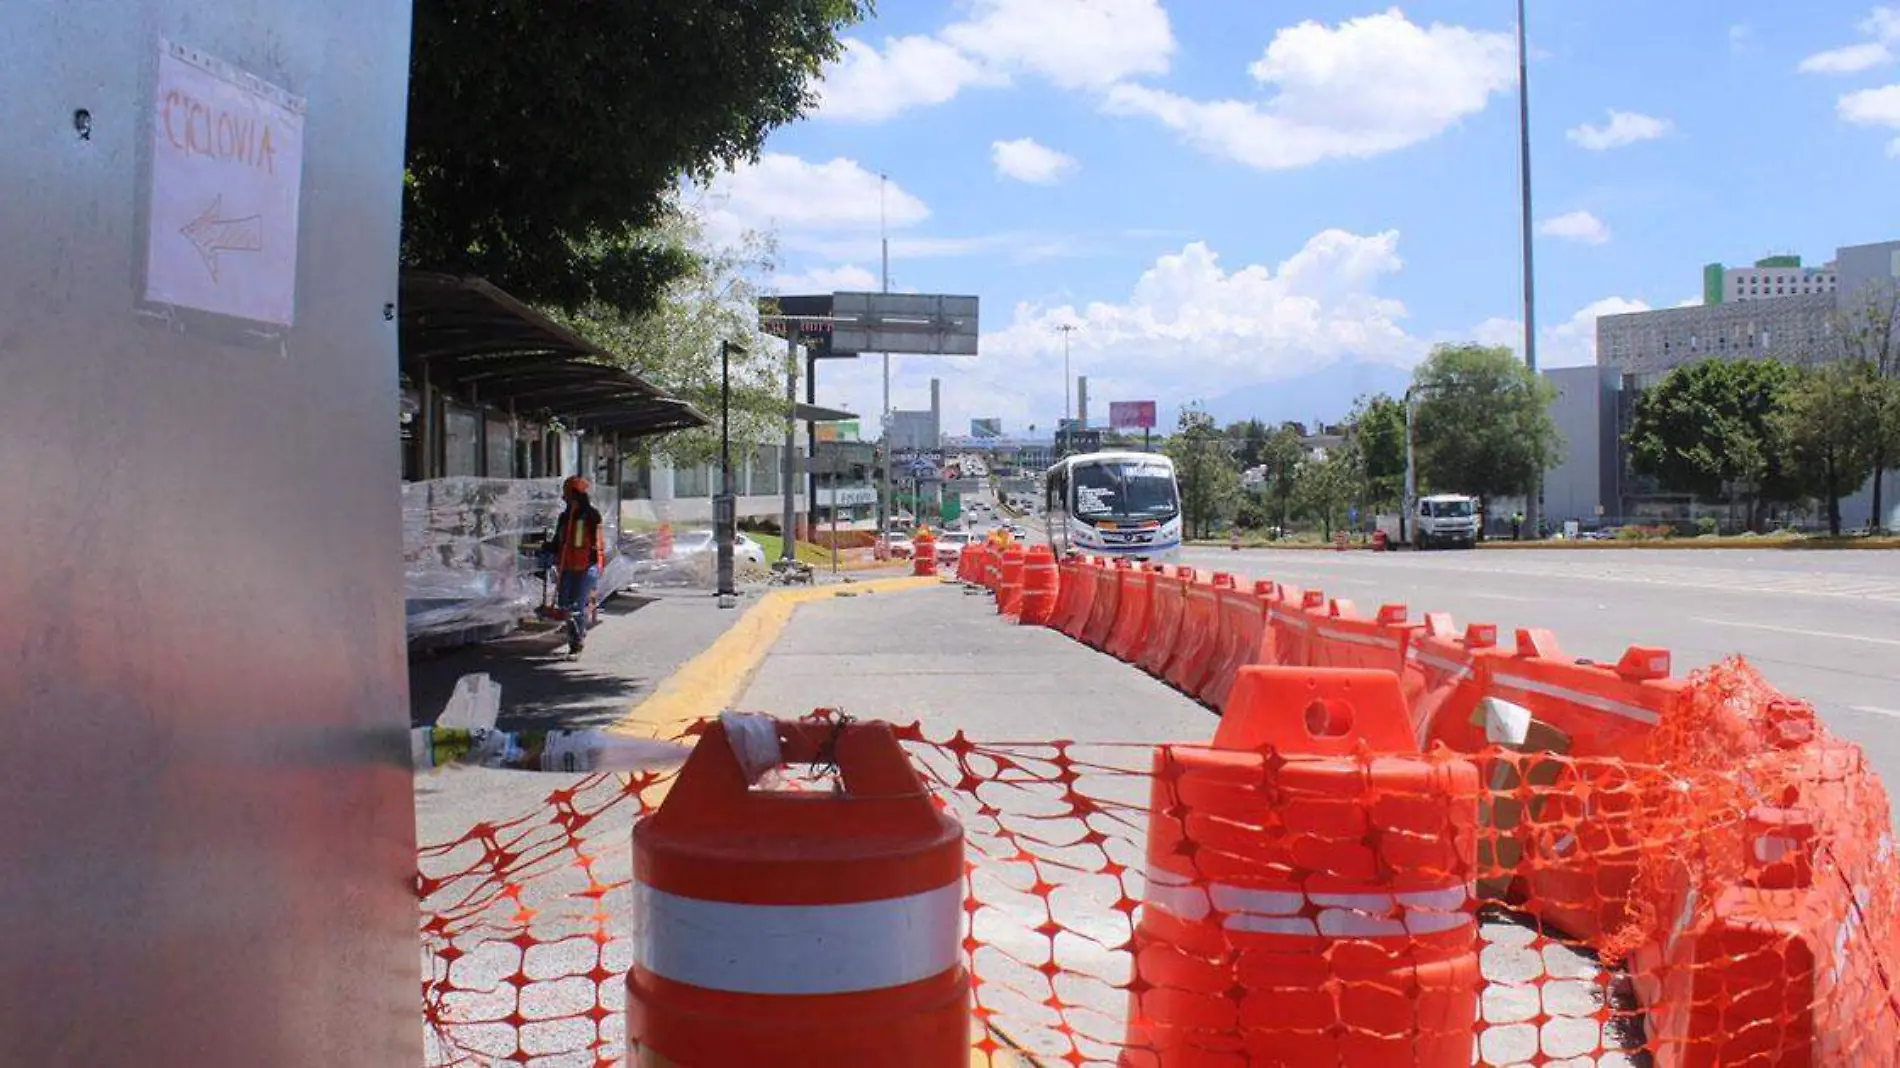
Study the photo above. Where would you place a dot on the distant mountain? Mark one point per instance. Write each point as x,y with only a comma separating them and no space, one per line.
1325,395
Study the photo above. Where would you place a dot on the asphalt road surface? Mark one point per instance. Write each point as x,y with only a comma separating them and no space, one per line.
1823,626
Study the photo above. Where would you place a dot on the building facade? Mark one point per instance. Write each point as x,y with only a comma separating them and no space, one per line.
1774,277
1740,319
1583,485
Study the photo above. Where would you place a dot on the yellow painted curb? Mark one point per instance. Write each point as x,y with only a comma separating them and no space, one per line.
708,684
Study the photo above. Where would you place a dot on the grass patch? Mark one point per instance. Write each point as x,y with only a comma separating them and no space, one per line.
809,553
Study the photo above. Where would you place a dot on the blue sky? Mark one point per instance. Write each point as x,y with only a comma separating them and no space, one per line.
1222,194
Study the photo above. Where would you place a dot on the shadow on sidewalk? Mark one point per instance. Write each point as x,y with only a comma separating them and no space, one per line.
540,688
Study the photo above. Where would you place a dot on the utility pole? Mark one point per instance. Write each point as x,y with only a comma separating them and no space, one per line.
890,454
1533,505
789,514
1068,391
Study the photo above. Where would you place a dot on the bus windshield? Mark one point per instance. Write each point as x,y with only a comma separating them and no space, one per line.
1124,489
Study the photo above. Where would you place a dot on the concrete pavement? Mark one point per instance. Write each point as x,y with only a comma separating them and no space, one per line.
1823,626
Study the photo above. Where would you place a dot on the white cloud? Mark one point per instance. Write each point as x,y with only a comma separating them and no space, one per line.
869,85
1576,226
1624,128
1188,326
791,195
1881,28
1571,343
1849,60
1027,161
1372,85
1075,44
844,278
1874,107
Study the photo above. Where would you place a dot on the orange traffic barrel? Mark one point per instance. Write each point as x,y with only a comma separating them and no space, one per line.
1309,887
1009,590
924,561
799,928
1041,586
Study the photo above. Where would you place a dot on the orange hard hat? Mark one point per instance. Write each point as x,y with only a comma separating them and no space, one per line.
575,484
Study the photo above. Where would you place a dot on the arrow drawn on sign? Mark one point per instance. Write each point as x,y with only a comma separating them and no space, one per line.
211,235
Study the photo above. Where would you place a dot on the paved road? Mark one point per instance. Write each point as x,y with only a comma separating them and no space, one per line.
1824,626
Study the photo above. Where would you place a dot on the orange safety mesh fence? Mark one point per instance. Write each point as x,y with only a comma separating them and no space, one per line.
1264,908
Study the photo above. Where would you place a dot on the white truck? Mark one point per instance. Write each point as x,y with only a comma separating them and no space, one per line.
1445,519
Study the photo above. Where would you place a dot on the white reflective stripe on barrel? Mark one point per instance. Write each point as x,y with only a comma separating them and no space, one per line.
1364,915
798,949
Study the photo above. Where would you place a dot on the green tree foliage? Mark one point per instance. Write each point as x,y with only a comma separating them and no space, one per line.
1709,429
1328,487
675,344
1283,456
1823,419
1249,438
1869,331
1484,425
544,136
1204,467
1378,437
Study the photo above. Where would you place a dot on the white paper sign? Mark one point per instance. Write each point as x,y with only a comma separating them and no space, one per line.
227,175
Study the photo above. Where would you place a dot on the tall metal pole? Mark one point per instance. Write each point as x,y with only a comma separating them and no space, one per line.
885,509
1068,388
1533,505
789,515
723,512
1411,466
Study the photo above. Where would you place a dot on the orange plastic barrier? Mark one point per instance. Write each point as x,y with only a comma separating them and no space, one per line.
1134,611
1009,590
1345,639
1242,636
1310,905
1290,619
798,928
924,555
1102,612
1200,635
1041,586
1451,680
1581,856
1078,593
1169,610
970,563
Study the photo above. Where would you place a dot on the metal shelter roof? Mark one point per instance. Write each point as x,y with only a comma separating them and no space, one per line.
474,338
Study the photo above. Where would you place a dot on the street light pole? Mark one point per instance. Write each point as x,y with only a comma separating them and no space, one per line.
1068,389
885,509
723,509
789,514
1533,505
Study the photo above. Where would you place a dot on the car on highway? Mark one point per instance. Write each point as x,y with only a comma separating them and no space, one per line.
950,546
896,546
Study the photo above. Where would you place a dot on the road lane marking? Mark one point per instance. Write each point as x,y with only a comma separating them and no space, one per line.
1797,630
707,684
1877,710
1502,597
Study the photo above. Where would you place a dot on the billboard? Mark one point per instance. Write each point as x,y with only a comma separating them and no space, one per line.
1131,415
986,428
814,335
923,324
843,430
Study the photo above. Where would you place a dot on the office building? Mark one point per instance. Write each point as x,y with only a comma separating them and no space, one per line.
1775,310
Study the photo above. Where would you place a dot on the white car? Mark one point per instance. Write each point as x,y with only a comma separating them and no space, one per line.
950,546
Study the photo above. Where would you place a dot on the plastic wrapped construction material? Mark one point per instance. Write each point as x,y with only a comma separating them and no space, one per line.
471,553
576,752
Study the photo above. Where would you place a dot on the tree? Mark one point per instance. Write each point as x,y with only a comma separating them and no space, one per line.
1378,436
1484,425
1709,429
1210,483
1824,419
543,138
1326,489
1869,331
1249,438
675,345
1282,456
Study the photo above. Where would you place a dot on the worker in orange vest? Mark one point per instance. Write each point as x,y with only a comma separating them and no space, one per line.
580,551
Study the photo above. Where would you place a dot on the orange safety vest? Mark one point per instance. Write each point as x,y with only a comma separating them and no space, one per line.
579,546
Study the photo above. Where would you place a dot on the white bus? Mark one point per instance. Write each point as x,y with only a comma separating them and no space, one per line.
1117,504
